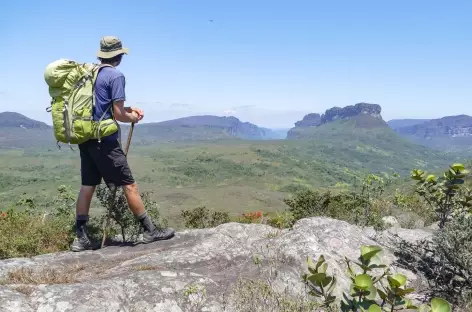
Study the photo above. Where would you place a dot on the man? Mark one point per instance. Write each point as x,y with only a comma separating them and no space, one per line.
106,159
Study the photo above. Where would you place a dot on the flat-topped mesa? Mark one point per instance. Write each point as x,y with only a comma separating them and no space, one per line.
350,111
336,113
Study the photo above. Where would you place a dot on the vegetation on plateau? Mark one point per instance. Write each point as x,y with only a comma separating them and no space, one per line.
445,261
341,170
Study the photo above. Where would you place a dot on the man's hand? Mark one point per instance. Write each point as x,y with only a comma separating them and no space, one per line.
138,112
126,114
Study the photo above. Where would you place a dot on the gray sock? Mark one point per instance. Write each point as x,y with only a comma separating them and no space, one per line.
146,222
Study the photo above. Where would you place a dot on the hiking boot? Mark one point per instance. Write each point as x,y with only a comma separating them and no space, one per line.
157,235
81,244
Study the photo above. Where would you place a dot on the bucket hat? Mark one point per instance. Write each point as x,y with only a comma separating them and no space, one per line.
110,46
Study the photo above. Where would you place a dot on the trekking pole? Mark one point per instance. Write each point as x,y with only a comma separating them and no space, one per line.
112,201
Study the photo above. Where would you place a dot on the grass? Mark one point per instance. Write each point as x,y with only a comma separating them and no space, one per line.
61,275
24,234
259,296
148,268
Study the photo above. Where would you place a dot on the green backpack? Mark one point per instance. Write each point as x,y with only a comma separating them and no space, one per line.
71,87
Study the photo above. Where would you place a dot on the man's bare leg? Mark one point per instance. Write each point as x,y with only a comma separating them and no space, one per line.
133,197
82,206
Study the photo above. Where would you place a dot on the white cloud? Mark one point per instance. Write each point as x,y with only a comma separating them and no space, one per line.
229,112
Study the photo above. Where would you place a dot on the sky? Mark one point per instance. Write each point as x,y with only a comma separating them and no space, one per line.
266,62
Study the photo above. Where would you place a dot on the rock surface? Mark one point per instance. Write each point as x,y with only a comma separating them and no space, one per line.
155,277
391,221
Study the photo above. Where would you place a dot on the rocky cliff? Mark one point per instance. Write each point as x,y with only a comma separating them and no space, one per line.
197,270
450,133
451,126
348,112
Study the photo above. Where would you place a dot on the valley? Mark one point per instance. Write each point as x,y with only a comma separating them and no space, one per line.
224,164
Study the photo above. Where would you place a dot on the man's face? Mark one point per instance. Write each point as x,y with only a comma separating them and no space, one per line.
119,62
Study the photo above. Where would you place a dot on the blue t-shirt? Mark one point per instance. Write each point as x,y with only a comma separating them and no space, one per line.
109,87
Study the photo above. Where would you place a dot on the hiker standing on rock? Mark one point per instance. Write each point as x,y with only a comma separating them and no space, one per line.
105,158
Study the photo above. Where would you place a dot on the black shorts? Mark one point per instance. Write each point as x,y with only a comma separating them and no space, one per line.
104,160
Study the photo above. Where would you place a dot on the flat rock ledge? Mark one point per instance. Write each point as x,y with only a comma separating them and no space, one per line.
197,270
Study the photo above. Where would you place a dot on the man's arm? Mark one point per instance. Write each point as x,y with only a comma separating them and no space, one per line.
122,113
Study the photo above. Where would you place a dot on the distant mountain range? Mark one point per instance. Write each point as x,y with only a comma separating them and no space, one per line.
453,133
21,131
399,123
361,121
12,120
205,127
342,138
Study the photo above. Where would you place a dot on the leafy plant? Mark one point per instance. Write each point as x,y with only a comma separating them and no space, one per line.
281,220
348,206
373,186
202,217
369,292
444,195
320,283
125,221
412,207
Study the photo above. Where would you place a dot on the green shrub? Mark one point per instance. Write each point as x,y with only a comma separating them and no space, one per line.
124,222
444,195
369,291
33,231
411,203
446,261
36,229
24,234
281,220
351,207
202,217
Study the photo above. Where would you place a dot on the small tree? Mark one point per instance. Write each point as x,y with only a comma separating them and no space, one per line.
117,207
444,195
202,217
